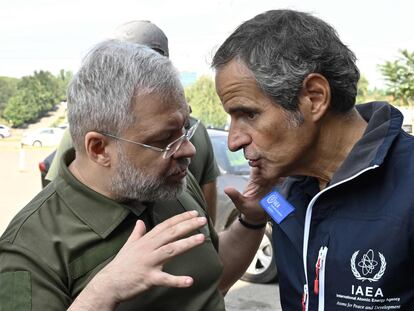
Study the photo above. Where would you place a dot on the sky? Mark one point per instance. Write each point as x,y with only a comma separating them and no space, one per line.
53,35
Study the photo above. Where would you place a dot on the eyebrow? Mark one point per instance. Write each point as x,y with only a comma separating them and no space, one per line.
242,109
166,130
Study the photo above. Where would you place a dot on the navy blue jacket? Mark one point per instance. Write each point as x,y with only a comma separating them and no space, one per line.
358,233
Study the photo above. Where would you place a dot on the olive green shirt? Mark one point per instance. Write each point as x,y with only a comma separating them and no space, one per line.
203,165
68,232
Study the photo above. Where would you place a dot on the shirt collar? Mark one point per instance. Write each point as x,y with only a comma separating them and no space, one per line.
99,212
384,124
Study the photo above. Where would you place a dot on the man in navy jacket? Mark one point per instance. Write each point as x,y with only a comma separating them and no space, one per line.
345,241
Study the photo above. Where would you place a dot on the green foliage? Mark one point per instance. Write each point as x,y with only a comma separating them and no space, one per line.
362,89
8,87
64,78
364,94
399,75
35,96
204,102
21,108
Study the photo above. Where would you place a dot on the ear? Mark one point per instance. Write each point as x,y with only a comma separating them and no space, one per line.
98,149
315,95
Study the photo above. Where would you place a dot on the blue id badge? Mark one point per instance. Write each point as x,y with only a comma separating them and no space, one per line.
276,206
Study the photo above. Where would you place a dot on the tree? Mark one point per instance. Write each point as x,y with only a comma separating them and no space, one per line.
36,95
399,75
362,89
204,102
21,108
8,87
64,77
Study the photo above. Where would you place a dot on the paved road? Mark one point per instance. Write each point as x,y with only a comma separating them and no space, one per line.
245,296
20,181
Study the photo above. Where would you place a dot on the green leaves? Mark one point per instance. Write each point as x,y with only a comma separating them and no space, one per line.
35,95
399,75
362,91
8,87
204,102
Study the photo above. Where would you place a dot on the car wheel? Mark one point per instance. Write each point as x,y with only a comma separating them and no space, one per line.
37,143
262,268
1,136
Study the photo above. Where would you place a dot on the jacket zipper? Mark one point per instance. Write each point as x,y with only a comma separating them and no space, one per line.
319,283
308,218
304,297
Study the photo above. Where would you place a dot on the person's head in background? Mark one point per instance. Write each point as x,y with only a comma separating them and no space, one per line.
145,33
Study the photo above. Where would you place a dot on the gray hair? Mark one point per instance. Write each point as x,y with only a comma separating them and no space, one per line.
101,95
282,47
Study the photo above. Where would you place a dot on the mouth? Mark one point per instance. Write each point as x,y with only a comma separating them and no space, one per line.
253,161
180,174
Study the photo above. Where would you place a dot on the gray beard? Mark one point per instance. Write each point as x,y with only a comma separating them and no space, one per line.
129,183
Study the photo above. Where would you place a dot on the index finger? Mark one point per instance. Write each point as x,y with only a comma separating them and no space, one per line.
183,218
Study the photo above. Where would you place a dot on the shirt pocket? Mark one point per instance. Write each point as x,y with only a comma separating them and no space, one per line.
15,291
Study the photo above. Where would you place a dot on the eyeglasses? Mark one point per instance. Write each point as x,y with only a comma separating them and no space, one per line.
171,148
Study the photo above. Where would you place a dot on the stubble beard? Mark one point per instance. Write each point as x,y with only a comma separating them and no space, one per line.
129,183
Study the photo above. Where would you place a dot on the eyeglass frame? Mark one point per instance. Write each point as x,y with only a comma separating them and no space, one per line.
186,136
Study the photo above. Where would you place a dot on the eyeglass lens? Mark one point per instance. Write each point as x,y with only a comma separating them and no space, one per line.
173,148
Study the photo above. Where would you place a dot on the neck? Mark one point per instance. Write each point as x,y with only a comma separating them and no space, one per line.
89,174
338,135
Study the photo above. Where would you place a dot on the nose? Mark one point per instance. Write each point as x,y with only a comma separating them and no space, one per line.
186,150
237,139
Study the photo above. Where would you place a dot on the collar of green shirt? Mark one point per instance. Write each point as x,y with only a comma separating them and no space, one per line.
100,213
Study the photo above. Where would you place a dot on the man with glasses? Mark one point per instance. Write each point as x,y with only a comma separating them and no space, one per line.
203,166
123,226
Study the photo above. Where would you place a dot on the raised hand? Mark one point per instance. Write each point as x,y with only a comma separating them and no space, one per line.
138,265
248,201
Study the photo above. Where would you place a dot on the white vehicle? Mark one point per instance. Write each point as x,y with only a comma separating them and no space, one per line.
4,131
49,136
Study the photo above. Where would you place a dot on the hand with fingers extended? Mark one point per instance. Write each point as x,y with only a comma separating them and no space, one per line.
138,265
248,201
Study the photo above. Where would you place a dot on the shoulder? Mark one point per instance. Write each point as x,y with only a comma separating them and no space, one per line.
193,188
201,135
24,220
401,154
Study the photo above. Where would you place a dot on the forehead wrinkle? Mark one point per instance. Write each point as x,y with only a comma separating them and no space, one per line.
233,79
172,122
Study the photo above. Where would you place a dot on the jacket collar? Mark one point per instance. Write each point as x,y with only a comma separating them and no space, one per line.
384,124
100,213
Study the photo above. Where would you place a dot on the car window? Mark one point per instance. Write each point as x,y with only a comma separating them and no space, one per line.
237,161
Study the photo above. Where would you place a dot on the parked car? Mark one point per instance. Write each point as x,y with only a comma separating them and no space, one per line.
4,131
49,136
235,171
